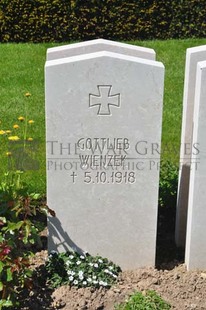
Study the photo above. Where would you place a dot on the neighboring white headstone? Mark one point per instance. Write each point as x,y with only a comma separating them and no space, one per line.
99,45
195,257
193,56
103,114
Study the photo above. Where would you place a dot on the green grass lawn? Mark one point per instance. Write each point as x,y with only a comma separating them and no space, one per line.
22,70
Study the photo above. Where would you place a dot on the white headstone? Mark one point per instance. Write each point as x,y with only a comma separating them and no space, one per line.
193,56
103,112
99,45
195,257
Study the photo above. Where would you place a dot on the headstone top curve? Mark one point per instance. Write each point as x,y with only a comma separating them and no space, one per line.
103,54
99,41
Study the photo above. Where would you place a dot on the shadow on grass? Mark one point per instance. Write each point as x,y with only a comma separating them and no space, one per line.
167,254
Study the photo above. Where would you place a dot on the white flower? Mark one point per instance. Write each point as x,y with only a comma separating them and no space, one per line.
111,267
96,265
84,282
95,282
114,275
105,284
68,262
89,280
90,264
101,282
94,277
53,252
106,271
80,273
78,262
75,282
82,257
100,261
71,278
70,272
71,256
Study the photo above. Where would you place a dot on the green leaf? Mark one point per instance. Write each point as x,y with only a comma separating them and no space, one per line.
14,226
9,275
3,220
27,232
35,196
5,303
1,286
1,266
25,240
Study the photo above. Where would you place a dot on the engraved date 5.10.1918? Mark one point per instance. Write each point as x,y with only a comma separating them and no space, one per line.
102,177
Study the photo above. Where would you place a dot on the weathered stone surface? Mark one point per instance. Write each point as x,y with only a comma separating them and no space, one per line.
99,45
193,56
103,113
195,257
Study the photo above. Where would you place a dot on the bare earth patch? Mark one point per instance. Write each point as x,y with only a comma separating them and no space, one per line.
182,289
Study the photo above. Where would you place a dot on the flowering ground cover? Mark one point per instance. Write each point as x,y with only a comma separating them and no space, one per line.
80,270
170,280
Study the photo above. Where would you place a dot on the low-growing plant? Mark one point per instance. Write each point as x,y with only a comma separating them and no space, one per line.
19,228
81,270
168,184
18,232
149,300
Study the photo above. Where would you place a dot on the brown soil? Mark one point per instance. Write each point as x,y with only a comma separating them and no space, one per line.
182,289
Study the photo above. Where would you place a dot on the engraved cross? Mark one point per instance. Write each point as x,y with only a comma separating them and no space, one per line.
104,100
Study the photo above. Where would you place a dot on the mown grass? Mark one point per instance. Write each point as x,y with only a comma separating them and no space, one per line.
172,54
22,70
